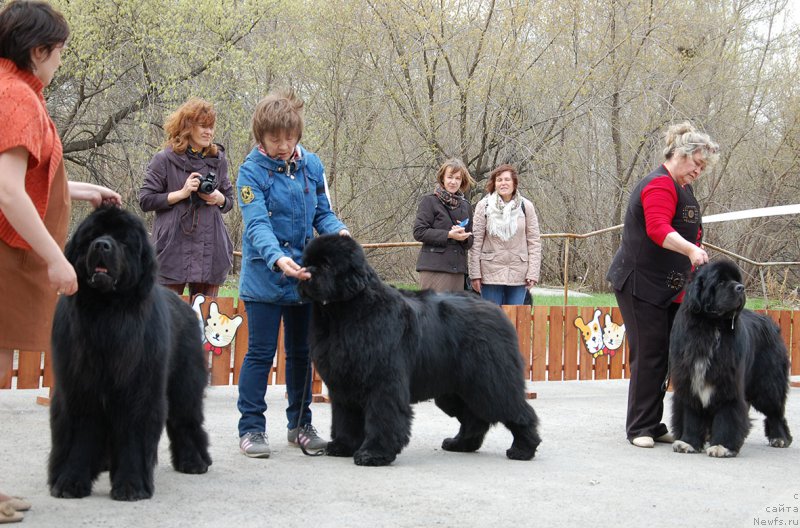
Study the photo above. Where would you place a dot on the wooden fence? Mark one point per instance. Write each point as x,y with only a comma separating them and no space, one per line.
551,345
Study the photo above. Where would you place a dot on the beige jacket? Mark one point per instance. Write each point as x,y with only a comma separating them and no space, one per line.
510,262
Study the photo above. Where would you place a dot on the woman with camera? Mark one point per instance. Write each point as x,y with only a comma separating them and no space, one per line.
187,186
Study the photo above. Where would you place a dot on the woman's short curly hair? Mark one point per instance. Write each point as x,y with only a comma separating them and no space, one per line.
685,140
179,124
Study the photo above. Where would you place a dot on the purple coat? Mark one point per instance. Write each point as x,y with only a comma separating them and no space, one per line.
192,244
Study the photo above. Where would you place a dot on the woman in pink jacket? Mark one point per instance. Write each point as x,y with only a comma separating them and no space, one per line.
506,256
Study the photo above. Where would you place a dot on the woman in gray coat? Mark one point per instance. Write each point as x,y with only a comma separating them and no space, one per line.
187,186
444,226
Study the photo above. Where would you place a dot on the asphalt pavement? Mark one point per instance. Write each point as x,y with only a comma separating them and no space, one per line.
584,474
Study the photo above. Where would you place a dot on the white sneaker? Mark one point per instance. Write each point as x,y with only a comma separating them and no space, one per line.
665,438
643,441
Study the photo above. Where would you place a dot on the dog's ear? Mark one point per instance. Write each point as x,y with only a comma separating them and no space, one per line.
145,249
71,249
693,299
355,281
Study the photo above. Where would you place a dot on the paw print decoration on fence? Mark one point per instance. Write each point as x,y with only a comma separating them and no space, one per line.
601,340
218,329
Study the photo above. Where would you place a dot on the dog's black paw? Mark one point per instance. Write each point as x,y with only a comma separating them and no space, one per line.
368,458
128,491
188,459
338,449
515,453
196,465
66,488
460,445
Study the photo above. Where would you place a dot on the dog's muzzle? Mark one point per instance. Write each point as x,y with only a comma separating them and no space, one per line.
100,253
101,280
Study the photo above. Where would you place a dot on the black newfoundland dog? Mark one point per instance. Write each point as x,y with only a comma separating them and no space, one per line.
379,350
722,359
127,357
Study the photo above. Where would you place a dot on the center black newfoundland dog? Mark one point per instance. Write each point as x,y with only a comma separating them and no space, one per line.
379,350
722,359
127,357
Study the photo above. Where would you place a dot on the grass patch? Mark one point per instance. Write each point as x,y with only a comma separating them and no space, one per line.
608,299
757,303
231,289
594,299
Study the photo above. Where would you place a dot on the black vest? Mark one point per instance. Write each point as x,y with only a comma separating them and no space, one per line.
656,275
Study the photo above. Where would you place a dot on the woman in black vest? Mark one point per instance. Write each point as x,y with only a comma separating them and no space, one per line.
444,226
661,243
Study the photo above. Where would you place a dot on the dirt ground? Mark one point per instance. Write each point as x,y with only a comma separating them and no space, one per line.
585,474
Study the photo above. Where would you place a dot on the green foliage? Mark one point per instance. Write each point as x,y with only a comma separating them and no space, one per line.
575,94
129,64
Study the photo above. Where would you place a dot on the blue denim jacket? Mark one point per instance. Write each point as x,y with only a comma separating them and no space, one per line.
282,204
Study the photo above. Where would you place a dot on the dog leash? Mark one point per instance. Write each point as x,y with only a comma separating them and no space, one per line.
302,439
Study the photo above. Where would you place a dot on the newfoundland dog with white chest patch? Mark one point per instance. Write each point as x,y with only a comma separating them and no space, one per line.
379,350
722,359
127,358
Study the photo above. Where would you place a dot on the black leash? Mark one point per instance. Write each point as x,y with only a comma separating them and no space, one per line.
300,436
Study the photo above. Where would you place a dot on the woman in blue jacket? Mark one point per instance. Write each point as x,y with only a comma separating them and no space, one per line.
283,198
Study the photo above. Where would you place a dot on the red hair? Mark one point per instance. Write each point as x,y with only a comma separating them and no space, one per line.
179,124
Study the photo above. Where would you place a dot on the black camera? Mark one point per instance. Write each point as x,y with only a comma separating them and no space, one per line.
208,183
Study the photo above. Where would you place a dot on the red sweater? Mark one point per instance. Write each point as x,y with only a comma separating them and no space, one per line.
27,124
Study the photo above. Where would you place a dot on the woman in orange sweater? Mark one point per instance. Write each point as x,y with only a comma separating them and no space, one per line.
34,192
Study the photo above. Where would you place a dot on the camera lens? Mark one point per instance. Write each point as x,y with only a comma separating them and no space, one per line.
207,183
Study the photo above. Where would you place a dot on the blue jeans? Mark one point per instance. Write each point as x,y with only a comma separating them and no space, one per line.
502,294
263,323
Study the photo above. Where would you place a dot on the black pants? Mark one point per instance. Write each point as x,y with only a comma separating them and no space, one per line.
647,327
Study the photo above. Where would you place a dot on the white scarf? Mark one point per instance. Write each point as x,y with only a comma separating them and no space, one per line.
502,217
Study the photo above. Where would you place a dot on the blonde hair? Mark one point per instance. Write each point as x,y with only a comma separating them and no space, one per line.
179,124
456,165
685,140
281,110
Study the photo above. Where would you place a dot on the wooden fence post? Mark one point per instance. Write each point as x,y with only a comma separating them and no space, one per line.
572,343
555,351
539,349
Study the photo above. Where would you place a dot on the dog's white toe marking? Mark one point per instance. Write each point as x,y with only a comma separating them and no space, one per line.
679,446
720,451
778,442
